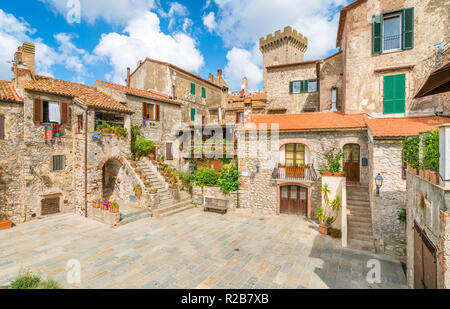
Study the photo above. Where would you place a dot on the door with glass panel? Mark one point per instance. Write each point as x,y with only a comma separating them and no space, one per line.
295,160
351,162
293,200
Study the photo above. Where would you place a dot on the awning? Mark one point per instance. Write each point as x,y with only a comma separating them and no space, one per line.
437,82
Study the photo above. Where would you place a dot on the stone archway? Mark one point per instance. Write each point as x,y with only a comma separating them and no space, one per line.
109,169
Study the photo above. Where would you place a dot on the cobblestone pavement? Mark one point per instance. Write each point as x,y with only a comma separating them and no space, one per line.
191,249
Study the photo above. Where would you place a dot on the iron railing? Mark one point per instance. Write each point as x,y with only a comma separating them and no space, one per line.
304,173
392,42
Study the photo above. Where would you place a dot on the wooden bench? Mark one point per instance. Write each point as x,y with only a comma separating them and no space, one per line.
212,203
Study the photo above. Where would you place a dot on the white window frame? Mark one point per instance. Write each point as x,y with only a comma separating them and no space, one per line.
389,16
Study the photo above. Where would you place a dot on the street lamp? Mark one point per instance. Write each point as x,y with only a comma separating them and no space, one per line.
378,182
256,163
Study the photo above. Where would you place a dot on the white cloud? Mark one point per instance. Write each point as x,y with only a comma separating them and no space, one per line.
241,23
241,63
142,38
209,21
114,12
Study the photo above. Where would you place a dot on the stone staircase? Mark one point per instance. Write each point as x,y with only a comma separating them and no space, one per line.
130,213
167,204
359,217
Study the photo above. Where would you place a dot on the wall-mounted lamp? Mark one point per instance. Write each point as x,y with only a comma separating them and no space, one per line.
34,162
379,182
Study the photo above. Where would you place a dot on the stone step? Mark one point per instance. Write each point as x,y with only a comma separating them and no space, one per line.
353,202
172,212
160,211
135,216
361,244
355,214
358,219
359,231
362,237
356,224
358,188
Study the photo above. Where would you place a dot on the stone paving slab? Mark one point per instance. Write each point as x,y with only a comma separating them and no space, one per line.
191,249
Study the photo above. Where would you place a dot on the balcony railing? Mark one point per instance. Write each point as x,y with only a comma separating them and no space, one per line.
392,42
304,173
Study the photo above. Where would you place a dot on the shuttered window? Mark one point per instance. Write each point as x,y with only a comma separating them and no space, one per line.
41,112
299,86
169,153
203,92
58,163
192,114
150,111
193,88
394,94
393,31
2,127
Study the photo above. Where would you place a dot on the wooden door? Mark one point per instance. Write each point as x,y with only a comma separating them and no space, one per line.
293,200
351,161
418,263
425,268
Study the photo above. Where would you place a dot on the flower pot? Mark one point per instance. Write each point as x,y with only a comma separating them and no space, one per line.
421,174
323,229
5,224
327,174
139,170
96,204
434,177
142,177
147,183
133,164
426,175
114,209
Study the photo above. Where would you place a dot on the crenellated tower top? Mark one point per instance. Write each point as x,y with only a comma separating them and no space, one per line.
288,36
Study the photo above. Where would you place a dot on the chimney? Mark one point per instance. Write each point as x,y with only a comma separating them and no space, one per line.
245,85
219,73
28,57
211,77
128,77
247,115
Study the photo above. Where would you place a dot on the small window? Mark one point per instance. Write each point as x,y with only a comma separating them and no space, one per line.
192,88
80,124
203,92
51,112
296,87
58,163
312,85
392,33
301,86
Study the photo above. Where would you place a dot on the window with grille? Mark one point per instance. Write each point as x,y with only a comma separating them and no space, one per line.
58,163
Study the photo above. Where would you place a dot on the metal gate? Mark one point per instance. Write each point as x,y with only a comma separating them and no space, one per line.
425,268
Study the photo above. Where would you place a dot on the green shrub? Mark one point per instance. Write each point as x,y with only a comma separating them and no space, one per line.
430,151
25,280
144,146
135,132
207,177
411,151
334,161
50,284
402,215
229,178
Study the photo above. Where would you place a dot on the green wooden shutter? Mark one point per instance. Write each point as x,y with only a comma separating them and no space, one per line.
192,114
203,92
394,94
291,87
408,28
192,88
305,86
377,34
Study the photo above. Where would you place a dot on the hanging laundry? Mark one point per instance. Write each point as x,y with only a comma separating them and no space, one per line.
48,132
54,113
56,132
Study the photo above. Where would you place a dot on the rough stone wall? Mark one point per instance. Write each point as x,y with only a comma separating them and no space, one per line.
258,191
388,231
330,76
277,88
11,160
364,86
432,217
198,194
44,182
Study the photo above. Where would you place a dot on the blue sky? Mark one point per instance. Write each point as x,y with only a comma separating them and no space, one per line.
85,40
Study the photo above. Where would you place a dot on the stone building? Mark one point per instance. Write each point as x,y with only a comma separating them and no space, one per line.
374,77
196,93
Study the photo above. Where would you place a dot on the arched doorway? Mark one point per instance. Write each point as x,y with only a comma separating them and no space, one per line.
110,170
294,200
351,162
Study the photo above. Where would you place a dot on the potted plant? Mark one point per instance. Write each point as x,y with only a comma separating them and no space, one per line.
137,191
334,164
147,183
133,164
96,204
434,177
323,219
153,191
335,233
139,170
114,207
5,222
105,205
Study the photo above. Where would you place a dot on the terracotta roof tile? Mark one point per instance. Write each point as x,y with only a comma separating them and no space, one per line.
308,121
8,93
86,94
402,127
151,94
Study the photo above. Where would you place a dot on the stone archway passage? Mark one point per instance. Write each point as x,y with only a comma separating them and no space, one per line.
293,200
110,170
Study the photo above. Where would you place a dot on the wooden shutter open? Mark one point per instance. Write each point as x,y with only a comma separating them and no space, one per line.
291,87
144,114
377,34
408,28
151,111
157,111
64,108
2,127
37,111
169,154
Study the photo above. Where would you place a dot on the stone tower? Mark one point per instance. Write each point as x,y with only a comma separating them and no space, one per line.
283,47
